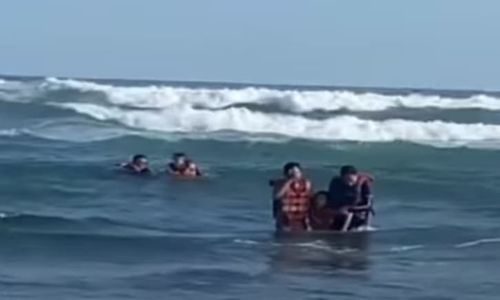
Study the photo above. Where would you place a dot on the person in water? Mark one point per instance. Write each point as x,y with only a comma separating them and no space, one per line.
350,196
138,165
182,166
292,199
321,217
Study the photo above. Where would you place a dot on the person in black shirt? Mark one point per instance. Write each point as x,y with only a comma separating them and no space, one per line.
350,196
138,165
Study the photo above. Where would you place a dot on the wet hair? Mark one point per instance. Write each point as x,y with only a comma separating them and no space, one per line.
348,170
177,155
317,195
136,158
290,165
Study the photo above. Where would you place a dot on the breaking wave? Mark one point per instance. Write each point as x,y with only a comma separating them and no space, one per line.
296,101
341,128
197,112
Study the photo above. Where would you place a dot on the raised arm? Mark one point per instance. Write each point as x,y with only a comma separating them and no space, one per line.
281,189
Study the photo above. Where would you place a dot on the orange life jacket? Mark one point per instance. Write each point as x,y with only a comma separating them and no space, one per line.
362,179
295,204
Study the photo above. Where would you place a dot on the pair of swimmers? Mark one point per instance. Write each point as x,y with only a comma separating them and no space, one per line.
180,166
346,206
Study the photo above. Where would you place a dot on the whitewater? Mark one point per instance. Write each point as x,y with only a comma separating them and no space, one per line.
253,111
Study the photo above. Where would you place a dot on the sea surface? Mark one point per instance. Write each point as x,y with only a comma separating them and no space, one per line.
73,227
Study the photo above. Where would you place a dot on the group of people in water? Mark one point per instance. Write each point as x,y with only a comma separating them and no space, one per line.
180,166
347,205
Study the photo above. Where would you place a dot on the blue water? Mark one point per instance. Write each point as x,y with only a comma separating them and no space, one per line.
73,227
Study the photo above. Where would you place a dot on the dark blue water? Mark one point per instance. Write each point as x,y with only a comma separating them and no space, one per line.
73,227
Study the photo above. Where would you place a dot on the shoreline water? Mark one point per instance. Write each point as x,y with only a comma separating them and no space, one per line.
73,227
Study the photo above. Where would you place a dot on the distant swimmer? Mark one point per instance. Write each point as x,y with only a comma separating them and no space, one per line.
182,166
350,195
138,165
292,196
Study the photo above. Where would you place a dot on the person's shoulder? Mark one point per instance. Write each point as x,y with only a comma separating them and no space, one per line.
336,180
129,168
367,185
366,179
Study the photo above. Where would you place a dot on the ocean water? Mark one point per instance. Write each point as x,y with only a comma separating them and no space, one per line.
73,227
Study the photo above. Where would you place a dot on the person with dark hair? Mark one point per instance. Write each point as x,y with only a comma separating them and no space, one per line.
138,165
291,197
321,217
350,195
182,166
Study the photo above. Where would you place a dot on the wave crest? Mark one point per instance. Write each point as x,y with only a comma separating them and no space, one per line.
342,128
295,101
164,111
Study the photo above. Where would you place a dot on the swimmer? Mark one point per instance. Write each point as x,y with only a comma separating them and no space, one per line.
182,166
138,165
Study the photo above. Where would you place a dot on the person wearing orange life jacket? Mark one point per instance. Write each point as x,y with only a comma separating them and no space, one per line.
292,199
182,166
350,195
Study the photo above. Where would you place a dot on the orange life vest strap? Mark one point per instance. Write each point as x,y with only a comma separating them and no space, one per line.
362,179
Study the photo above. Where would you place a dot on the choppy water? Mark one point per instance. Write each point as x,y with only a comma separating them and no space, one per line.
71,227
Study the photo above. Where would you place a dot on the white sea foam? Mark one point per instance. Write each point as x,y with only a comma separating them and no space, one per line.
478,242
245,242
12,84
243,120
62,130
295,101
321,245
406,248
174,112
9,132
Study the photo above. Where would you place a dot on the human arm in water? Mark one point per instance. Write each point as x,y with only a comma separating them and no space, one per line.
340,199
132,169
171,169
366,199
